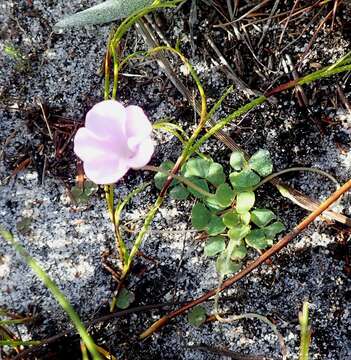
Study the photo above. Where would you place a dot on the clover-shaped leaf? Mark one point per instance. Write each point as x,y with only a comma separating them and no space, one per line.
197,316
213,204
224,195
197,167
237,160
214,245
161,178
256,239
215,226
245,201
179,192
262,217
200,216
261,162
215,174
244,179
273,229
124,299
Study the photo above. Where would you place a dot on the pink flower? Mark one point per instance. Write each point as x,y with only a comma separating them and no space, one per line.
115,138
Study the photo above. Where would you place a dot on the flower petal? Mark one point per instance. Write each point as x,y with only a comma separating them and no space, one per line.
137,123
105,171
106,118
143,154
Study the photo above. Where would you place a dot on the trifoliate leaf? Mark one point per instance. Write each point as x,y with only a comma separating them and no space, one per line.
261,162
179,192
262,217
256,239
197,316
214,245
224,195
237,160
215,226
124,299
105,12
197,167
244,179
245,201
272,230
215,174
200,216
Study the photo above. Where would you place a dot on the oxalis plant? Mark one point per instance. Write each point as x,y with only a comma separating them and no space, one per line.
225,207
116,138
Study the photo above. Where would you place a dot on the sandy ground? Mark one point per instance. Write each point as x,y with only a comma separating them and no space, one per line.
63,71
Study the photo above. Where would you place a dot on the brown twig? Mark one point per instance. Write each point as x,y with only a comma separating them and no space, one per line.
253,265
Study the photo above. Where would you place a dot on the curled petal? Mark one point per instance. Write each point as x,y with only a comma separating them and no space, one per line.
105,171
137,124
142,155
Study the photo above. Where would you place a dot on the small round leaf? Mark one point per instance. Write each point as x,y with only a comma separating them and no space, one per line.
215,174
245,201
261,217
237,160
124,299
239,252
197,167
272,230
197,316
200,216
215,226
256,239
231,219
179,192
224,195
261,162
161,178
200,183
238,232
225,266
214,245
244,179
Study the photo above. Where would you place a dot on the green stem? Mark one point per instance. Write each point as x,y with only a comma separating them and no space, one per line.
305,333
15,343
56,292
179,178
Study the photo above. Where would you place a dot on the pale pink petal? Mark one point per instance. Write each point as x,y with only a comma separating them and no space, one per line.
106,118
137,123
105,171
142,155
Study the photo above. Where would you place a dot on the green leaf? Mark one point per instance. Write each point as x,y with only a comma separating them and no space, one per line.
124,299
215,226
244,179
272,230
245,218
231,219
197,316
238,232
237,160
245,201
261,162
256,239
105,12
224,195
215,174
225,266
161,178
197,167
213,204
90,188
261,217
200,183
214,245
179,192
200,216
239,252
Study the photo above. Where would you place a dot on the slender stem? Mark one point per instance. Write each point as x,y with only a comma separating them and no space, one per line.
294,169
179,178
